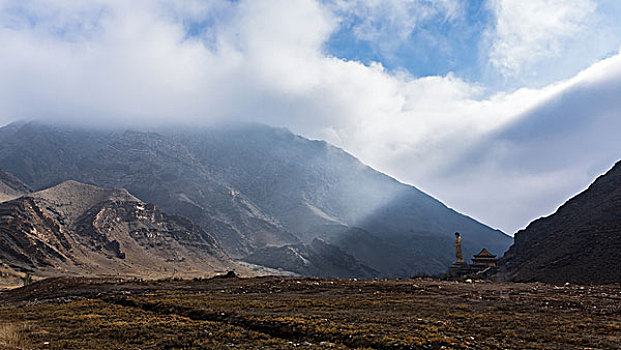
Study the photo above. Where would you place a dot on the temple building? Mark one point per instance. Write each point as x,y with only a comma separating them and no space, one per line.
482,263
483,260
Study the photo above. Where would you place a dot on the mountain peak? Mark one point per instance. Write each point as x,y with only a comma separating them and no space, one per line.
73,187
74,197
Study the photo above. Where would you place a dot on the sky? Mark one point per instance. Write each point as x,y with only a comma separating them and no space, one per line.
502,109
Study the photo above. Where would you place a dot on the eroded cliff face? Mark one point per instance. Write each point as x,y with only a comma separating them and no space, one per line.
580,243
81,229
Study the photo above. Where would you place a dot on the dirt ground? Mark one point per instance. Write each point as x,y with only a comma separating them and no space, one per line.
306,313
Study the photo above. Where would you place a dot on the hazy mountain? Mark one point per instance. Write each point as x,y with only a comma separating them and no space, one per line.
73,228
256,187
318,190
580,243
11,187
317,258
148,165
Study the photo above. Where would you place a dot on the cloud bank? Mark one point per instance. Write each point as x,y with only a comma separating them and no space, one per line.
503,156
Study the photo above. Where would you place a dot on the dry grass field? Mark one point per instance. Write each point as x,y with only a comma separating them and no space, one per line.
304,313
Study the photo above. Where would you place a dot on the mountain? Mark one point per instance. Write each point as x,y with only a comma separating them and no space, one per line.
579,243
256,188
320,191
150,166
11,187
74,228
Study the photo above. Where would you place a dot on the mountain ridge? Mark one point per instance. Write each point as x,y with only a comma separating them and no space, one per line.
579,243
255,187
299,176
75,228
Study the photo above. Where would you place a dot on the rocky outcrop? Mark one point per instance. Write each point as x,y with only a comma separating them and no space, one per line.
74,228
580,243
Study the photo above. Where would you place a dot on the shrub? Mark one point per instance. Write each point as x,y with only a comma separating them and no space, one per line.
27,279
12,336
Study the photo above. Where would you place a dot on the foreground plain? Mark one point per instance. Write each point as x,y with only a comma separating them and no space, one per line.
287,313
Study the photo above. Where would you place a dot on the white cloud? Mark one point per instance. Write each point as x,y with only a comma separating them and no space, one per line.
527,32
551,150
538,42
132,63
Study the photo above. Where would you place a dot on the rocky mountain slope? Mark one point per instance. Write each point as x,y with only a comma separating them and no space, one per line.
256,188
74,228
316,258
11,187
148,165
580,243
319,191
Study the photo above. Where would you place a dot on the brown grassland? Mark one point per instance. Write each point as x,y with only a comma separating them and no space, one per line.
306,313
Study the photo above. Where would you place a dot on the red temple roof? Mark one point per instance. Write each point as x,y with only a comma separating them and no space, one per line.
485,254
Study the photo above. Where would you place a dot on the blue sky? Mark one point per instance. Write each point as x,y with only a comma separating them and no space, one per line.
462,38
438,46
502,109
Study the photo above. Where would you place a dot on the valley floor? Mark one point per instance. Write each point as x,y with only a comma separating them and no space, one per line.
288,313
